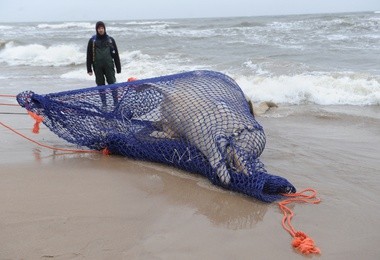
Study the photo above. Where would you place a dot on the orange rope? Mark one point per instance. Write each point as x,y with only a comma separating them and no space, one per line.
132,79
301,241
36,129
39,119
6,104
6,95
104,151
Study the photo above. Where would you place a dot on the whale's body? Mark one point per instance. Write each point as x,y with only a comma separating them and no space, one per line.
228,135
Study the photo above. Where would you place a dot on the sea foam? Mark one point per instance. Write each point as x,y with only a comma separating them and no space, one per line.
322,89
39,55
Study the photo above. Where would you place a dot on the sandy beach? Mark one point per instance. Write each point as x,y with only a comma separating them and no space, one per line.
57,205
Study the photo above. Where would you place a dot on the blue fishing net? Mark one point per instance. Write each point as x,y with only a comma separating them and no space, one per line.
198,121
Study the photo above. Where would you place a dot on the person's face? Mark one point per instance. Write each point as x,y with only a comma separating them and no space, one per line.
101,30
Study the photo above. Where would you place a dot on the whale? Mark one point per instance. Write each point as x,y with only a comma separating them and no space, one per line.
226,133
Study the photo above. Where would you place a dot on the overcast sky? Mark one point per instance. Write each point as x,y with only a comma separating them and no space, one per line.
91,10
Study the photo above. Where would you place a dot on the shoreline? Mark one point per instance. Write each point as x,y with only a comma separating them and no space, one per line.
72,206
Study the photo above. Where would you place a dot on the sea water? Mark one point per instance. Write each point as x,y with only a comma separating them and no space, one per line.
322,59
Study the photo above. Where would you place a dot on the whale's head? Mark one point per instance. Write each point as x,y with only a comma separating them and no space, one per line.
243,146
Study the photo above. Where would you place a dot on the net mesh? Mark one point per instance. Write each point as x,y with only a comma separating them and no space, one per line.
198,121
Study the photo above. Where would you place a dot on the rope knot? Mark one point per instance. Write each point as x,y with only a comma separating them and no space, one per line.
39,119
105,151
304,244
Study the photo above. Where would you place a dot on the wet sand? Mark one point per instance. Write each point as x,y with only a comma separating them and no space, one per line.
90,206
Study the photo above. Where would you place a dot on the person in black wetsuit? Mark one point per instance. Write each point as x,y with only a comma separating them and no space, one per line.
103,57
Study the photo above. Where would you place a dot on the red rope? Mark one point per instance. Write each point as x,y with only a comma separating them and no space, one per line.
301,241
